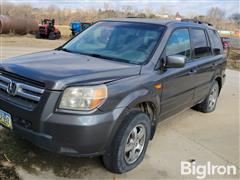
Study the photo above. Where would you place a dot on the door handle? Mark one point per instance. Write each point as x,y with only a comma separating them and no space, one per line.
192,71
214,65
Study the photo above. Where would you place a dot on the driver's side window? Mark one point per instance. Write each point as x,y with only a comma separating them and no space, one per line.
179,43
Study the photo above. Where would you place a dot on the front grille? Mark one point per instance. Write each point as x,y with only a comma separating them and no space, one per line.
13,89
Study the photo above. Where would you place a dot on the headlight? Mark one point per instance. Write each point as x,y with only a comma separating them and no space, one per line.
83,98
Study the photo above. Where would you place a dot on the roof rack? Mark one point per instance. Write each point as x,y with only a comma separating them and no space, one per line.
196,21
134,17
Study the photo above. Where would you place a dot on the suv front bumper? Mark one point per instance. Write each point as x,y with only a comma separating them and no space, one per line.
71,134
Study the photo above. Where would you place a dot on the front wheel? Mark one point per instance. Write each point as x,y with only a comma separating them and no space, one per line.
209,104
129,146
38,35
52,36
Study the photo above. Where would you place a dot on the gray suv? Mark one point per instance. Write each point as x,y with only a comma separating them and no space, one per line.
103,92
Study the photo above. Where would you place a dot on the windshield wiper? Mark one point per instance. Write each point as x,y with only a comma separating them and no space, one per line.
65,49
98,56
107,57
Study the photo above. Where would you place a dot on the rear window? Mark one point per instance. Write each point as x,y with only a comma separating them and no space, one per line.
216,42
201,47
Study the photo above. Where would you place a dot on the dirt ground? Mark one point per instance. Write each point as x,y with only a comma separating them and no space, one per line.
188,136
18,45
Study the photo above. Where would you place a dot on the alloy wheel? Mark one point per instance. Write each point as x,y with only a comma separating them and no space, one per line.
135,144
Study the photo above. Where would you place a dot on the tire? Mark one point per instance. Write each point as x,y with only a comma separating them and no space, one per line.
72,34
58,36
38,35
118,158
52,36
209,104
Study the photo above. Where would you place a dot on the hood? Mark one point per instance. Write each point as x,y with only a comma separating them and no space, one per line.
57,69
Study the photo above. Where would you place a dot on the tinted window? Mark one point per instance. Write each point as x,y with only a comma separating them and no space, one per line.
199,43
179,43
215,42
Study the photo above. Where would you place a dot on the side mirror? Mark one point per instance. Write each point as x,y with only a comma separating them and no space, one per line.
176,61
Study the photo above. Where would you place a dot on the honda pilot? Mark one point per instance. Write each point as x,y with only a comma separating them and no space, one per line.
104,91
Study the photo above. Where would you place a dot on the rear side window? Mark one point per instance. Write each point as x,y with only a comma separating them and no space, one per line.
179,43
200,45
216,42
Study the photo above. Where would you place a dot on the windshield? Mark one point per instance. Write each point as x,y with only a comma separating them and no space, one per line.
118,41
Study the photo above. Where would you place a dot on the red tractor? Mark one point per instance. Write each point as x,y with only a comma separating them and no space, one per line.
48,30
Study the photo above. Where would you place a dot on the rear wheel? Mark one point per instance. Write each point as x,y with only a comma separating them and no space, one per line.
58,35
72,34
209,104
129,146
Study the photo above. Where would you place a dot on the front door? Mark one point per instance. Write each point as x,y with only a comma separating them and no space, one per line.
178,83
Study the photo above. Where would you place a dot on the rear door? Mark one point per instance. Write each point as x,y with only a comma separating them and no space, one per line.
206,62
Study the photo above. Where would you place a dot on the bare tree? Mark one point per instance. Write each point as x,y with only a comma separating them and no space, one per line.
215,15
236,18
7,8
64,16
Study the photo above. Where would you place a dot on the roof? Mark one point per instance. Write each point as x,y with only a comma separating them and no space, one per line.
159,22
141,20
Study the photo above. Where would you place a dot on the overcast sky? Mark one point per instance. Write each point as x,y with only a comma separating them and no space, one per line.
185,7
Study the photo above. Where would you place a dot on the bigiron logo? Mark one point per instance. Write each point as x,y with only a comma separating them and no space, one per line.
202,171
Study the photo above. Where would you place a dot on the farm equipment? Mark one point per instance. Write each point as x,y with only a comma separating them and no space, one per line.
77,27
226,45
48,30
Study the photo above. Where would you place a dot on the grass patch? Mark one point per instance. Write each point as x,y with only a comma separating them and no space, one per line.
234,60
35,160
8,172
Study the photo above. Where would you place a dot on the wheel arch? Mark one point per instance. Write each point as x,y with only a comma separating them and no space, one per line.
150,109
219,81
141,100
144,104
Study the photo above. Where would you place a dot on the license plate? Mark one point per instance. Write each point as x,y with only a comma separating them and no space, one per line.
5,119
